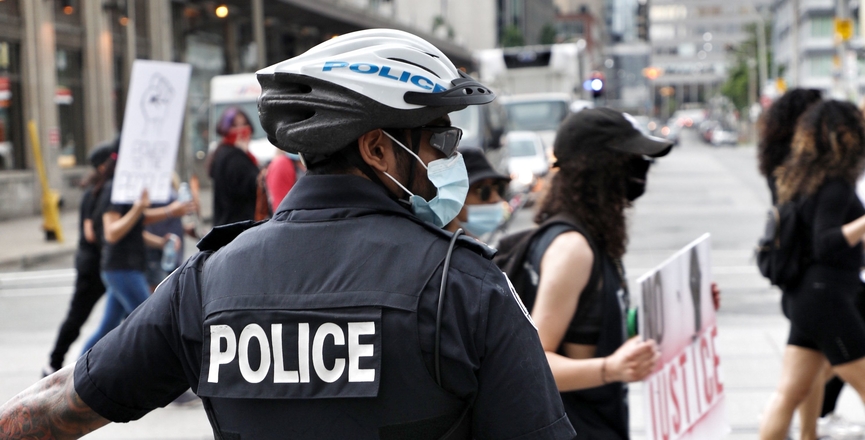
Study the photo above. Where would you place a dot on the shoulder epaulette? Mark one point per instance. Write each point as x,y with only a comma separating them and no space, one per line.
222,235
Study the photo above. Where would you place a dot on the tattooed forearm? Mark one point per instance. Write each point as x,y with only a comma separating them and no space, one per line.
50,409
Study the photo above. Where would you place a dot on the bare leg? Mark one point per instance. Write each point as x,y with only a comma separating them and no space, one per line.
799,369
809,410
853,372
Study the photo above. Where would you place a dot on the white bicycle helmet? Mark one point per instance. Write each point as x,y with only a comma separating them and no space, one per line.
318,102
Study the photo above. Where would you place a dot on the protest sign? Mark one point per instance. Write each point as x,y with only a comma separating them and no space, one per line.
684,397
155,106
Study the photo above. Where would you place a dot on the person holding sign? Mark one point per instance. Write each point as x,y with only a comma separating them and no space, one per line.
124,254
826,159
581,298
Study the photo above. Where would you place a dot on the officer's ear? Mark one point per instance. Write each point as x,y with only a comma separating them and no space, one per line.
376,149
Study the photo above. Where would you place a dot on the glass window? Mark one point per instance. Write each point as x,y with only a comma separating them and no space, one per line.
522,148
820,65
822,27
12,149
69,97
537,115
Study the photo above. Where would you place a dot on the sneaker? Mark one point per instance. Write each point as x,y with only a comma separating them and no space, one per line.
836,427
47,371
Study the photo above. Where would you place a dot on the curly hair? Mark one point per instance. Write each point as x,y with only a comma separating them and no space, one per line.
592,189
777,125
829,142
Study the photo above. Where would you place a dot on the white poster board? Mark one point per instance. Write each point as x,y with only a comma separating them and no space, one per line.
684,397
155,107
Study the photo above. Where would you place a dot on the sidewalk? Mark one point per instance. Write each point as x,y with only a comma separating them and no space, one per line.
23,244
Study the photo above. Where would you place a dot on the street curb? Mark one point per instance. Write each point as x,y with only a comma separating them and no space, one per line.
33,259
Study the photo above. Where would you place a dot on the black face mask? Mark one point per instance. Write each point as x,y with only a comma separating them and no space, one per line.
638,167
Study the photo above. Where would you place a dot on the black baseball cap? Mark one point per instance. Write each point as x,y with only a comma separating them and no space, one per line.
605,127
104,151
479,167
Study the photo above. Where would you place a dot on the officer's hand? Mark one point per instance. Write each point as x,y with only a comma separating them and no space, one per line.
633,361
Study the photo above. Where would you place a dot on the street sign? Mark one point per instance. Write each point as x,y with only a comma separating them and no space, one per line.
684,397
844,28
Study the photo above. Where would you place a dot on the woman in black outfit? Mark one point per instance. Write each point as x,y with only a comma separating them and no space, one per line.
234,170
88,285
828,155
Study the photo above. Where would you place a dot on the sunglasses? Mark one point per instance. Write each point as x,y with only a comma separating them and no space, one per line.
485,192
444,139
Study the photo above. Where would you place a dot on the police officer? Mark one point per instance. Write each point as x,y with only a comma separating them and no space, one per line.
339,317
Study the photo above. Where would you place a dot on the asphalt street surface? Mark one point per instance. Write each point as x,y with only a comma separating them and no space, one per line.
696,189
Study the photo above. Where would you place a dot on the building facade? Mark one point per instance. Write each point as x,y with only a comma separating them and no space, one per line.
65,66
690,41
804,47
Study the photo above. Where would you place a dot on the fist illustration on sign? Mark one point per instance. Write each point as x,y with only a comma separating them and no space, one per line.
155,102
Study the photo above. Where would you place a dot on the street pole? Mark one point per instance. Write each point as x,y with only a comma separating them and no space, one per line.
761,51
794,59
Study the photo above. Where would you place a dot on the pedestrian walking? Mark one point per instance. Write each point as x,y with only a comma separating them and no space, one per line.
88,284
484,209
827,157
349,314
234,170
777,126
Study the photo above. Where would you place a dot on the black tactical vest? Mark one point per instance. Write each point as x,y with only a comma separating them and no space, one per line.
305,339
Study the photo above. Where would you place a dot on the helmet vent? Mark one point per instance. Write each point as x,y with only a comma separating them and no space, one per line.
295,88
415,64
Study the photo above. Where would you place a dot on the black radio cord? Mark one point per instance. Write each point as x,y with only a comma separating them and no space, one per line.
438,340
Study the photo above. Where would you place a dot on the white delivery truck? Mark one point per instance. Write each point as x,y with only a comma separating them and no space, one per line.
532,69
242,91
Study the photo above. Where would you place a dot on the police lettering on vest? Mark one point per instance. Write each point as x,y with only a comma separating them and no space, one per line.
385,72
303,354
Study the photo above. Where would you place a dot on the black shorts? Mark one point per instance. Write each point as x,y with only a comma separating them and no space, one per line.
824,316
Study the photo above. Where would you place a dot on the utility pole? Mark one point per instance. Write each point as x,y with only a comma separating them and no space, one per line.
794,59
762,57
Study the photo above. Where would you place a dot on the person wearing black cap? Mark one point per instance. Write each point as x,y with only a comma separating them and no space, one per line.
484,209
88,285
581,297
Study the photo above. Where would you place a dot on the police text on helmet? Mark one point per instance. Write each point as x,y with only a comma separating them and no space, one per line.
385,72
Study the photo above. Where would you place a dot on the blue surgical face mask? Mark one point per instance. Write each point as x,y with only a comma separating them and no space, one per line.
451,180
484,218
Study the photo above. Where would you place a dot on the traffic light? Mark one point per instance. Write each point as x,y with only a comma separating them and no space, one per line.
595,84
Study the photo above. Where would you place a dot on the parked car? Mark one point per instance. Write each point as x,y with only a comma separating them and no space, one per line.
538,112
528,162
724,135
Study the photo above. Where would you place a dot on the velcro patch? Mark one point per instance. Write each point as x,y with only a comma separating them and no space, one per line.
280,354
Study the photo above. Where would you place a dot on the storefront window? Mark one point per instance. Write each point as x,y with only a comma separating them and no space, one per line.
12,153
69,97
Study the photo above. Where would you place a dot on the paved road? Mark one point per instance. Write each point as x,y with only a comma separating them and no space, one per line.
695,189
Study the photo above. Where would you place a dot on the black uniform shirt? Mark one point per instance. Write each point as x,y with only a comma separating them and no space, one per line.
491,353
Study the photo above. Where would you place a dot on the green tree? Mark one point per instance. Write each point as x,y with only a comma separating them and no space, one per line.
548,34
736,86
512,36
